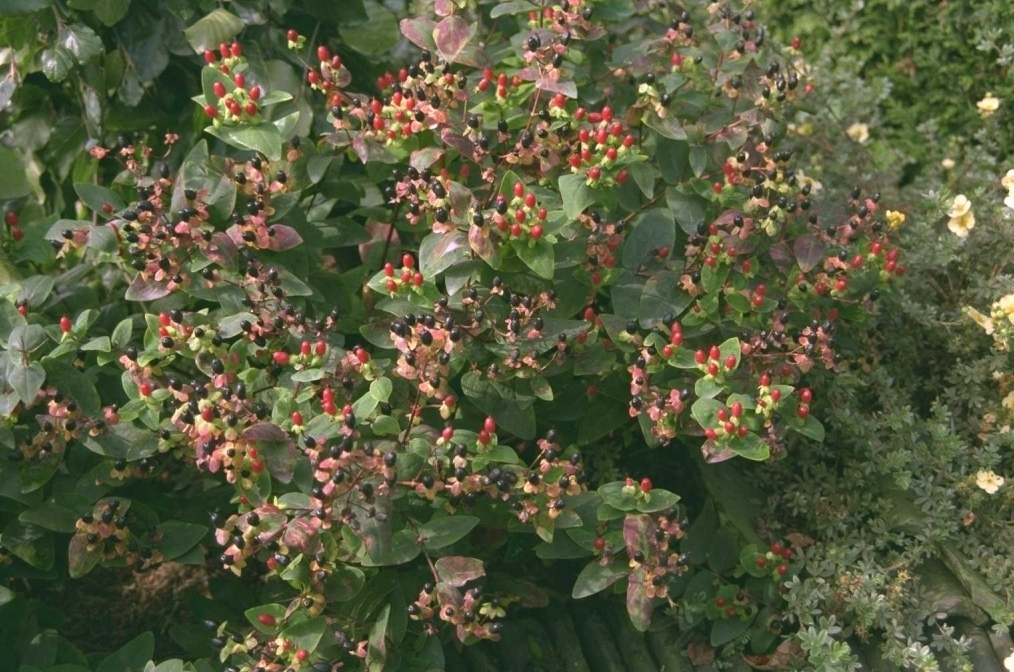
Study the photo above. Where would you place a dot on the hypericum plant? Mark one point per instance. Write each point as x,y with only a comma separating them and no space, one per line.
563,237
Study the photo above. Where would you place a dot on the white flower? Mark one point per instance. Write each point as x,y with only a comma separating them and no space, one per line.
947,163
1006,306
1008,662
1008,180
988,105
988,481
858,132
1008,401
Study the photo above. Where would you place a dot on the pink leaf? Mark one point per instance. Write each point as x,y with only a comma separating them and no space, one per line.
265,431
284,238
451,35
568,89
422,159
458,142
484,246
457,570
639,605
419,32
809,251
443,7
146,289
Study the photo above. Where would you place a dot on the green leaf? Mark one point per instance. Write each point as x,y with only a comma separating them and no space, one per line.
81,41
657,500
6,596
698,160
108,12
15,7
811,428
51,516
513,412
31,544
687,207
178,538
376,653
133,656
652,230
576,195
263,138
374,36
728,629
442,532
124,440
56,62
662,295
275,610
306,635
76,385
595,578
539,257
213,29
13,180
26,380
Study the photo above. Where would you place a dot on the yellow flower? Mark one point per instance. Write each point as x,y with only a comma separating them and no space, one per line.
988,105
1008,180
962,217
947,163
1006,306
1008,401
858,132
895,218
988,481
980,319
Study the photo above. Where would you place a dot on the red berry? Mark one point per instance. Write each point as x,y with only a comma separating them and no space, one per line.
219,89
281,357
292,35
417,279
210,111
720,602
323,53
65,324
776,548
737,410
595,173
700,357
762,562
320,348
782,570
237,49
803,411
302,655
489,424
297,418
266,620
163,319
806,395
516,230
776,395
12,218
600,544
145,390
786,554
530,199
362,355
646,485
714,353
795,43
730,362
392,286
209,56
304,348
389,269
667,351
407,260
483,437
607,113
519,189
208,414
536,231
730,612
250,108
255,93
622,176
611,153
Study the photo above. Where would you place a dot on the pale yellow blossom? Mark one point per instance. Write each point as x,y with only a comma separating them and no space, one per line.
983,321
1008,180
988,105
1008,662
859,132
962,218
988,481
895,218
1009,201
947,163
1008,401
1006,306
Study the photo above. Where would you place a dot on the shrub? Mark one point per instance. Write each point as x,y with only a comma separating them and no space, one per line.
383,331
